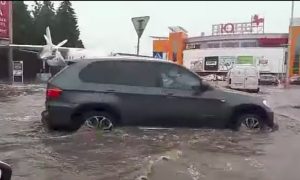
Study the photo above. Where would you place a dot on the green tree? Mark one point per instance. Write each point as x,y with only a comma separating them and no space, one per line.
44,15
67,26
22,23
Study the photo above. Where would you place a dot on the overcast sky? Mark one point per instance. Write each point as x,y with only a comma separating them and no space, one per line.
108,26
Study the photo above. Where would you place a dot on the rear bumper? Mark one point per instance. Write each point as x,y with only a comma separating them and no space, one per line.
59,115
267,82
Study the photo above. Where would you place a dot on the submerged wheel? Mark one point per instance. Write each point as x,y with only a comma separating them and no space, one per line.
250,121
99,119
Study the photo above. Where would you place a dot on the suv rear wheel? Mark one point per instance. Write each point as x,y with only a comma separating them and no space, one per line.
250,121
99,119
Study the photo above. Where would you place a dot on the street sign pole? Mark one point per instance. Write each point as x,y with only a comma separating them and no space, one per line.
139,25
138,47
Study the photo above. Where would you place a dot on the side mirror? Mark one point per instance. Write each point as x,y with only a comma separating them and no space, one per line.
5,171
197,88
205,86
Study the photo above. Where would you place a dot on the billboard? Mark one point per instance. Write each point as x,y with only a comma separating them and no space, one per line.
197,65
245,60
226,62
211,63
4,19
268,59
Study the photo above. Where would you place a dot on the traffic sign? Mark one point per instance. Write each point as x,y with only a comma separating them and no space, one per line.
158,55
140,24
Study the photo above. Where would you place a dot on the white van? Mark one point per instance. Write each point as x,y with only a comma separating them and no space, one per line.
243,77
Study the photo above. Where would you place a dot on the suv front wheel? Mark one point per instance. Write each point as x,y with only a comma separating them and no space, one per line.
250,122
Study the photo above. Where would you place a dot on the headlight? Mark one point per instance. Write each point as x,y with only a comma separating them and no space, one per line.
265,103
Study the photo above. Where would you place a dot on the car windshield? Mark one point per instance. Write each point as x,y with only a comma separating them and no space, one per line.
149,90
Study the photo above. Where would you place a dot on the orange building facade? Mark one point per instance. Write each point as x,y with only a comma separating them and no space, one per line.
173,46
294,51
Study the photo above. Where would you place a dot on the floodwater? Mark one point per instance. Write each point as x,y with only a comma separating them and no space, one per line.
158,154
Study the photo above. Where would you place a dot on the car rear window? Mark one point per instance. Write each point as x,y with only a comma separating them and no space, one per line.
67,78
130,73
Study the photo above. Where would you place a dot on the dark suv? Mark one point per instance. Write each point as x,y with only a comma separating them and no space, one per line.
117,91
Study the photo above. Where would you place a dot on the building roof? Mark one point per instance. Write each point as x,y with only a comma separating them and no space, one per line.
235,37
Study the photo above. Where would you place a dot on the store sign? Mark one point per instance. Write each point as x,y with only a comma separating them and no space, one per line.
4,19
211,63
226,62
256,25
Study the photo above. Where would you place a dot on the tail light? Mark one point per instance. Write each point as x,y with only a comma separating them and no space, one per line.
53,93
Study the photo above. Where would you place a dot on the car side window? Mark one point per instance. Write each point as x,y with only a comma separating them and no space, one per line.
127,73
174,77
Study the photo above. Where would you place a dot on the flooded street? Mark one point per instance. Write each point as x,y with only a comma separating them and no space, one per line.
129,153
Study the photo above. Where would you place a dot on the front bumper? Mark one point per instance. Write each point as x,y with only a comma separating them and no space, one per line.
270,121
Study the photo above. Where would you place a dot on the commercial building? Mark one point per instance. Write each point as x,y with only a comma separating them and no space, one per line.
232,43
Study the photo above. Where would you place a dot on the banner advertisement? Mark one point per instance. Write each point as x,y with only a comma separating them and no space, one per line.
245,60
4,19
226,62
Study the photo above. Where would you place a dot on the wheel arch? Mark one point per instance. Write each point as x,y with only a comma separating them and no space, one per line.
245,109
78,112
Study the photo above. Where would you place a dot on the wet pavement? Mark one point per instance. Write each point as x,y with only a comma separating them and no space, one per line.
131,153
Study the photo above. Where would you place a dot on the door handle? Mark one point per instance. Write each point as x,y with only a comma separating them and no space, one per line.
170,95
110,90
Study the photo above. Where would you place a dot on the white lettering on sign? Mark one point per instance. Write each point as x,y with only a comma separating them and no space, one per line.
3,3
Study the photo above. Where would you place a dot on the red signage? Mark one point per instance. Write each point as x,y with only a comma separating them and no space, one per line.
256,25
256,20
4,19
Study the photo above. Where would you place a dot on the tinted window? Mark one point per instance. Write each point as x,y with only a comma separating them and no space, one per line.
248,44
121,72
174,77
230,44
213,45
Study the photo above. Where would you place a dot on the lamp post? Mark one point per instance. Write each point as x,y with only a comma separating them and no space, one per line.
289,47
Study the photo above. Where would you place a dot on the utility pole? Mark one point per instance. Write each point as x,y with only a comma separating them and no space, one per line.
10,50
138,46
289,47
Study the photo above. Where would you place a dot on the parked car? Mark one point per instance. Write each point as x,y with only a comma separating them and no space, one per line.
268,79
243,77
295,80
118,91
